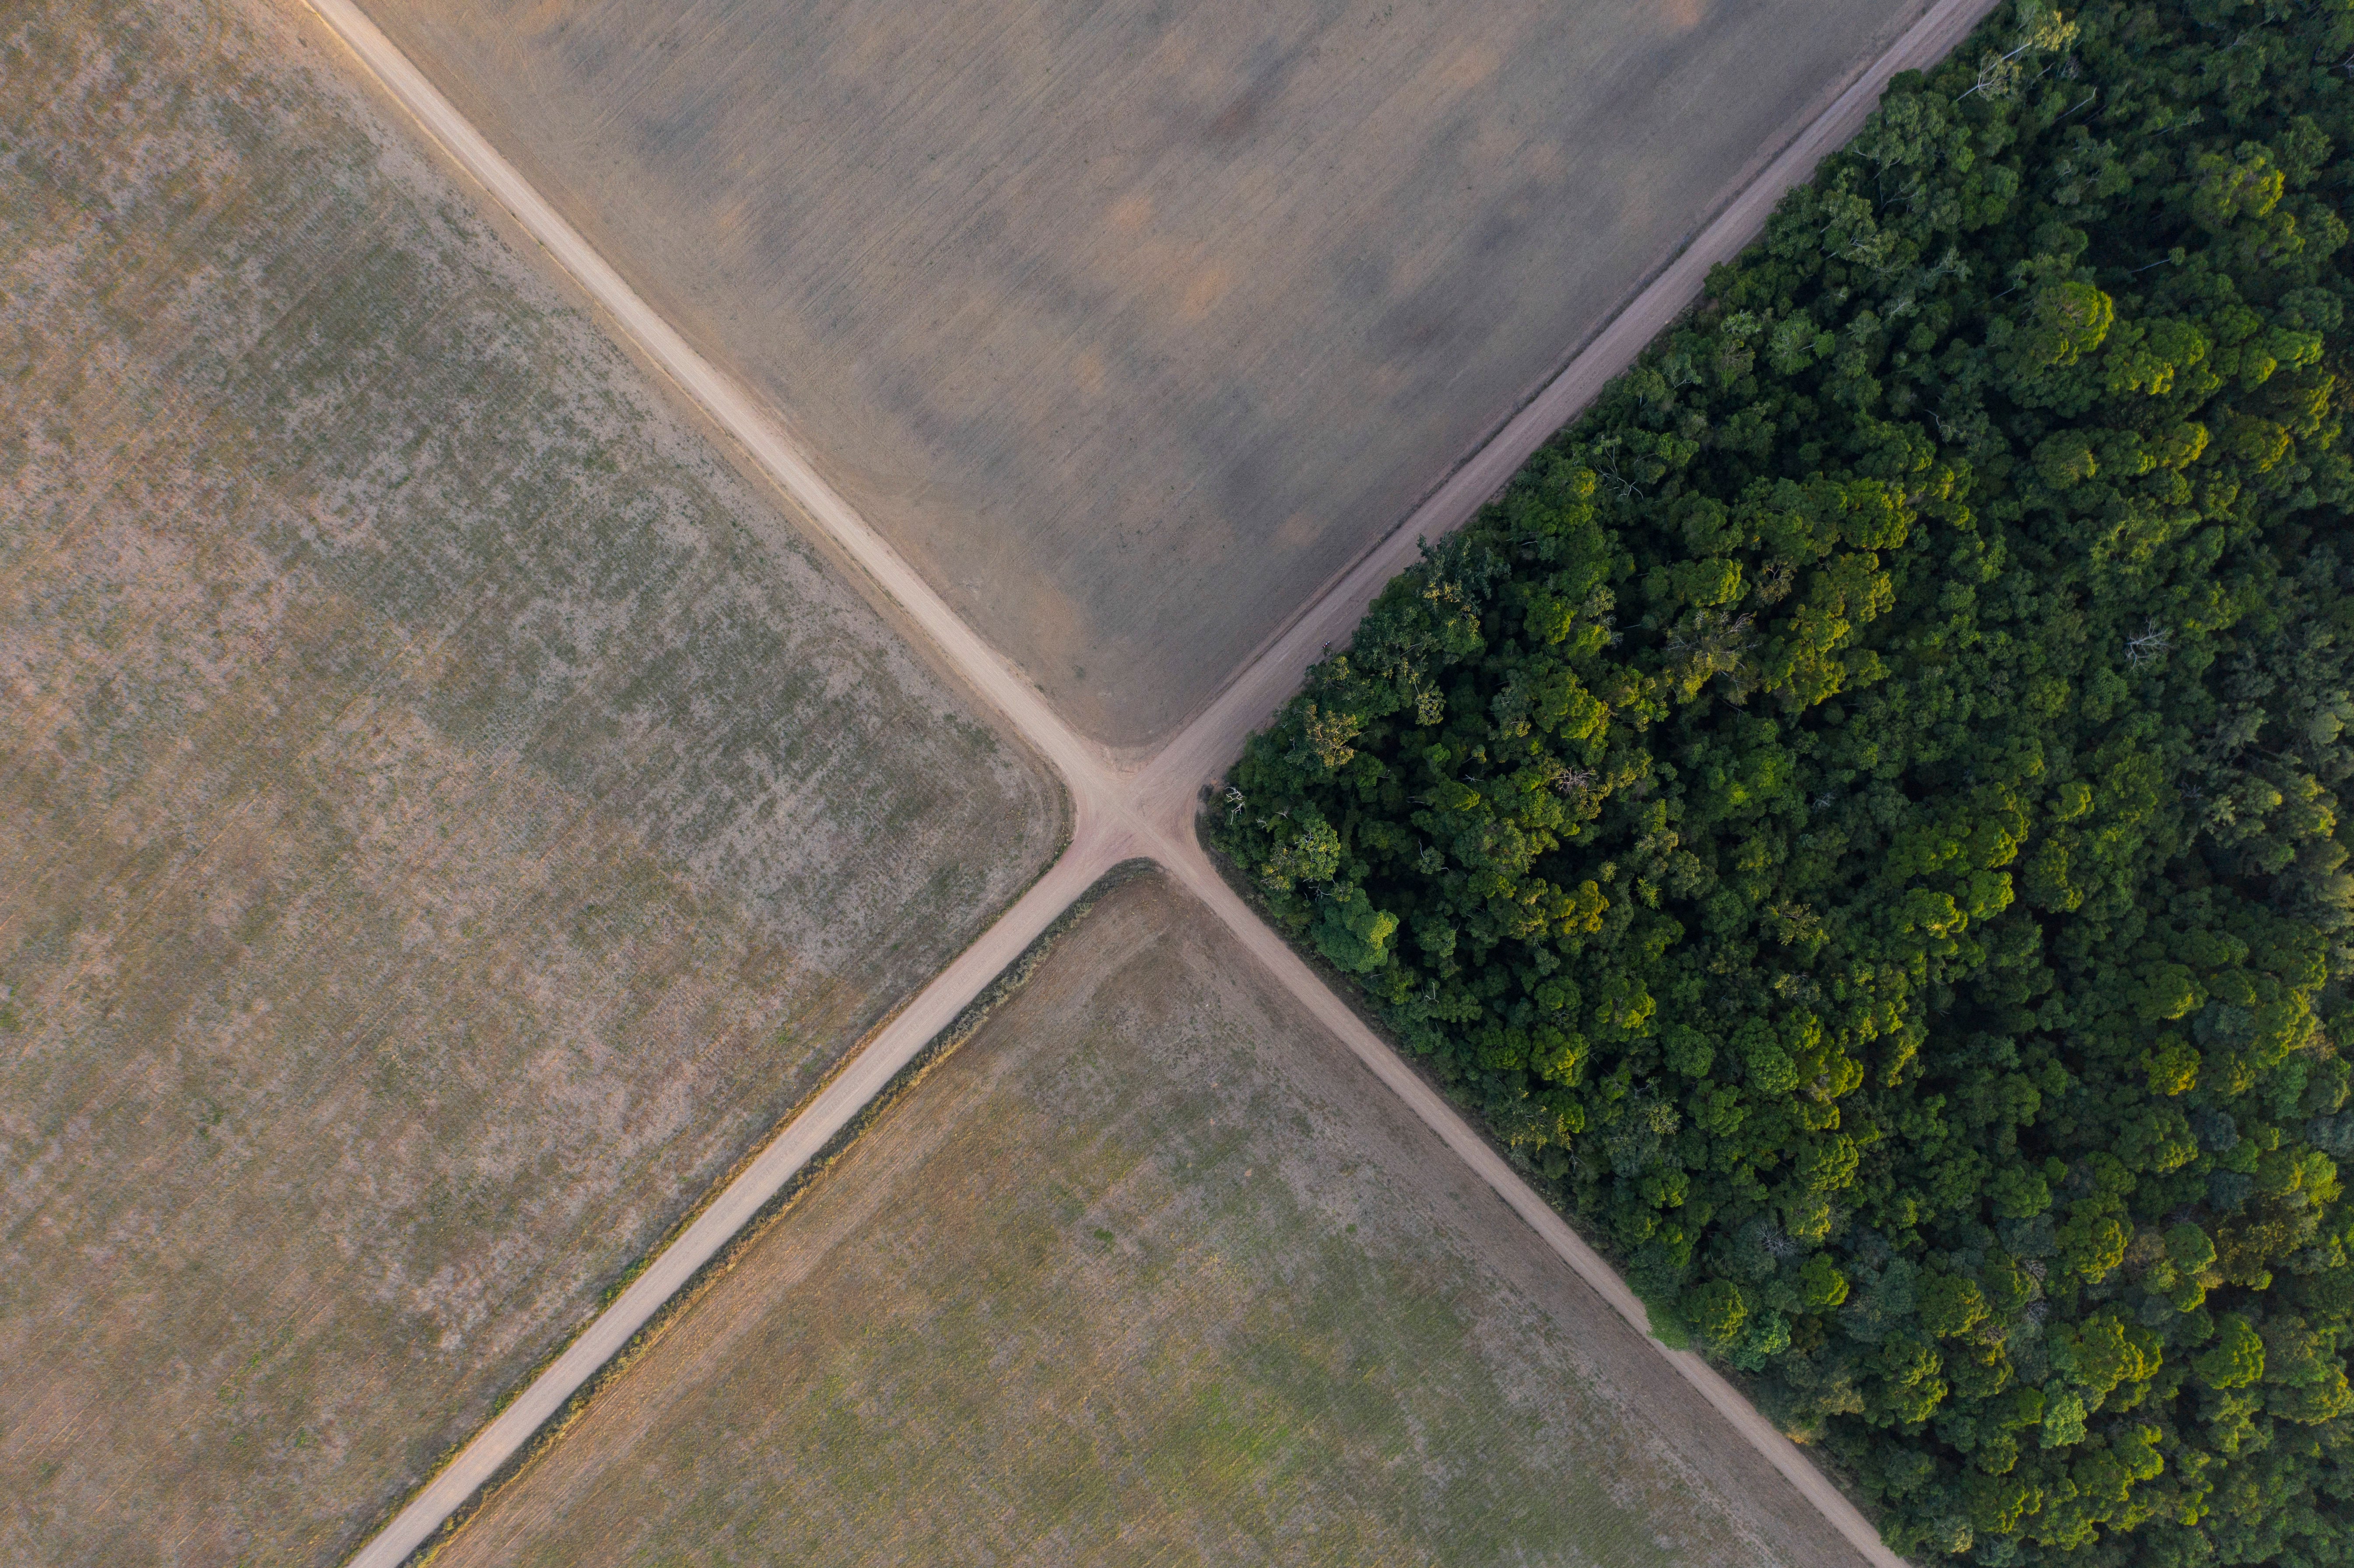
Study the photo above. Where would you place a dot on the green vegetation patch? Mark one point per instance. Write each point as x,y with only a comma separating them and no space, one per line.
1861,812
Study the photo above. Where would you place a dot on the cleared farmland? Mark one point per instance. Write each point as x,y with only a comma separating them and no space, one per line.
445,817
1150,1271
1131,323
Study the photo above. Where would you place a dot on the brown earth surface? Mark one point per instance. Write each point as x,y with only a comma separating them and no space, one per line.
446,814
1131,326
1152,1270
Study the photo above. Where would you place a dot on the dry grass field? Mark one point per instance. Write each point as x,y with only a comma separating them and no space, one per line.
444,816
1131,323
1151,1271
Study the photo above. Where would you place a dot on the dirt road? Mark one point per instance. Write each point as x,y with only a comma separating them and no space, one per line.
1118,811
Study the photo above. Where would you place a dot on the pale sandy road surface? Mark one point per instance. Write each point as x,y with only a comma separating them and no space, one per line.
1117,811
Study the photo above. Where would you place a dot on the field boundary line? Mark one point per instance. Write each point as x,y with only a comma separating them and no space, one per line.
1119,811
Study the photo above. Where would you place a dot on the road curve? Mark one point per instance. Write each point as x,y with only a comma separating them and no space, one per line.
1118,811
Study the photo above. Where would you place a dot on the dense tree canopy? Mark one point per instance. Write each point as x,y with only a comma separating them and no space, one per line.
1859,813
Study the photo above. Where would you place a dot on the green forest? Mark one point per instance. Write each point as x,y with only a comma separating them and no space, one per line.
1858,814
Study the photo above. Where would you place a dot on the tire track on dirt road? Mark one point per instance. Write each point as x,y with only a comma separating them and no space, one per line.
1119,809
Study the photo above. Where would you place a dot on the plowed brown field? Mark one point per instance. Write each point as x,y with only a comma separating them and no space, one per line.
445,816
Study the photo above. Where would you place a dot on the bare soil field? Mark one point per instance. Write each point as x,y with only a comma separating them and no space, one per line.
445,817
1130,323
1150,1271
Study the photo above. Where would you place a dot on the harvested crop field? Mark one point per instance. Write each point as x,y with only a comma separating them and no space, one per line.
445,817
1130,324
1151,1270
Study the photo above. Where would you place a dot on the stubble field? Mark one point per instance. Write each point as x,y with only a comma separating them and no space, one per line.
1150,1271
1130,324
445,817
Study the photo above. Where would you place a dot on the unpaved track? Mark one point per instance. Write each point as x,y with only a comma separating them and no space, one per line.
1119,811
